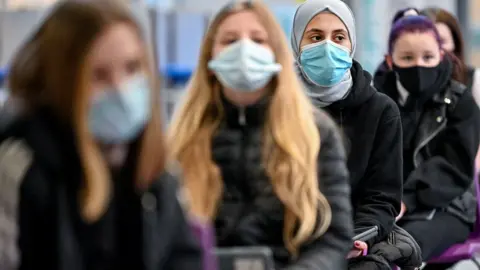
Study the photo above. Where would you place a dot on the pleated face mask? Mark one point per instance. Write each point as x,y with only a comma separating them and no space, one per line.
245,66
325,63
119,115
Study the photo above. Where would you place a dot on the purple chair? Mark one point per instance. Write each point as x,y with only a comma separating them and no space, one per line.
206,238
467,250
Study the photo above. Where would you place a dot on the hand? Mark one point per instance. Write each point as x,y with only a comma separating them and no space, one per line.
359,247
403,209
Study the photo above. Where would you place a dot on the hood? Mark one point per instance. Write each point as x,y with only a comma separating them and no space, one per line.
381,75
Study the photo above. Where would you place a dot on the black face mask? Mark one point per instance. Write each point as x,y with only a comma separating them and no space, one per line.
418,79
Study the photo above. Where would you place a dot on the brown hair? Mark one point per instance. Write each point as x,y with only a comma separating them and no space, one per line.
51,70
438,15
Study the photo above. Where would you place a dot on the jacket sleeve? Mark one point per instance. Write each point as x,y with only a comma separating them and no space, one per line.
186,253
382,184
449,172
329,251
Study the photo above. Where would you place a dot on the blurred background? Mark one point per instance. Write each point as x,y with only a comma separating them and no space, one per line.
176,28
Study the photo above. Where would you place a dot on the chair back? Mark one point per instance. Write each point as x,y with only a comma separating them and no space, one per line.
251,257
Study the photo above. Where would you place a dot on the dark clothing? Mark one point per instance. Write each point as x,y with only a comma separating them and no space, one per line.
146,230
437,235
412,110
371,123
380,75
470,77
251,214
439,164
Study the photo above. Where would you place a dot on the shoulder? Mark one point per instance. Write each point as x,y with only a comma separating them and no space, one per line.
29,156
16,159
24,182
329,133
326,125
384,106
463,104
16,155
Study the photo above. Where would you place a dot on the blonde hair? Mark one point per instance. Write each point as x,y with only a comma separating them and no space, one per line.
51,70
290,146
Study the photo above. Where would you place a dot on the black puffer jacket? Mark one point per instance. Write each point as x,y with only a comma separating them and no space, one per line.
251,214
40,174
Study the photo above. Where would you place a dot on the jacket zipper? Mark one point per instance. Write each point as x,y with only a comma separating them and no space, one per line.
242,121
426,141
241,118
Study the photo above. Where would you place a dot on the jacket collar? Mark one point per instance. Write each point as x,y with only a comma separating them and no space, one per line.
249,116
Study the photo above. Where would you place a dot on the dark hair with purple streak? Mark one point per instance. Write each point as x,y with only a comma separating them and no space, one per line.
422,24
412,24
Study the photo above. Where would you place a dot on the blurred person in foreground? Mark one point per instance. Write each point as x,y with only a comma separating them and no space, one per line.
324,43
83,164
258,160
441,132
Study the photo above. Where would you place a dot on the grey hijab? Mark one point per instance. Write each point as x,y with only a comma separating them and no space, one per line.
322,96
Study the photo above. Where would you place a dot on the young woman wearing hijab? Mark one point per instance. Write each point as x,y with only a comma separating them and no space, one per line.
324,41
380,74
82,164
441,132
257,161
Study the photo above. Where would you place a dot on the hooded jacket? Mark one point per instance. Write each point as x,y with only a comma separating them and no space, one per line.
370,121
373,132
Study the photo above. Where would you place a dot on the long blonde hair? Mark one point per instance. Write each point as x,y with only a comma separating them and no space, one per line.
290,146
50,70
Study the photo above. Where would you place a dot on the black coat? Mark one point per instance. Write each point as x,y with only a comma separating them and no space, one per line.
250,213
138,231
440,163
372,125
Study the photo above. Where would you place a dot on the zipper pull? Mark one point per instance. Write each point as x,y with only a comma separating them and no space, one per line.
242,120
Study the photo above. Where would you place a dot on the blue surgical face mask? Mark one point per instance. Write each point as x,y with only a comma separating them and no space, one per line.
119,115
325,63
244,66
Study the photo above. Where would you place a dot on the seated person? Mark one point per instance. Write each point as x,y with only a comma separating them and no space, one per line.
82,174
441,125
324,42
258,159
